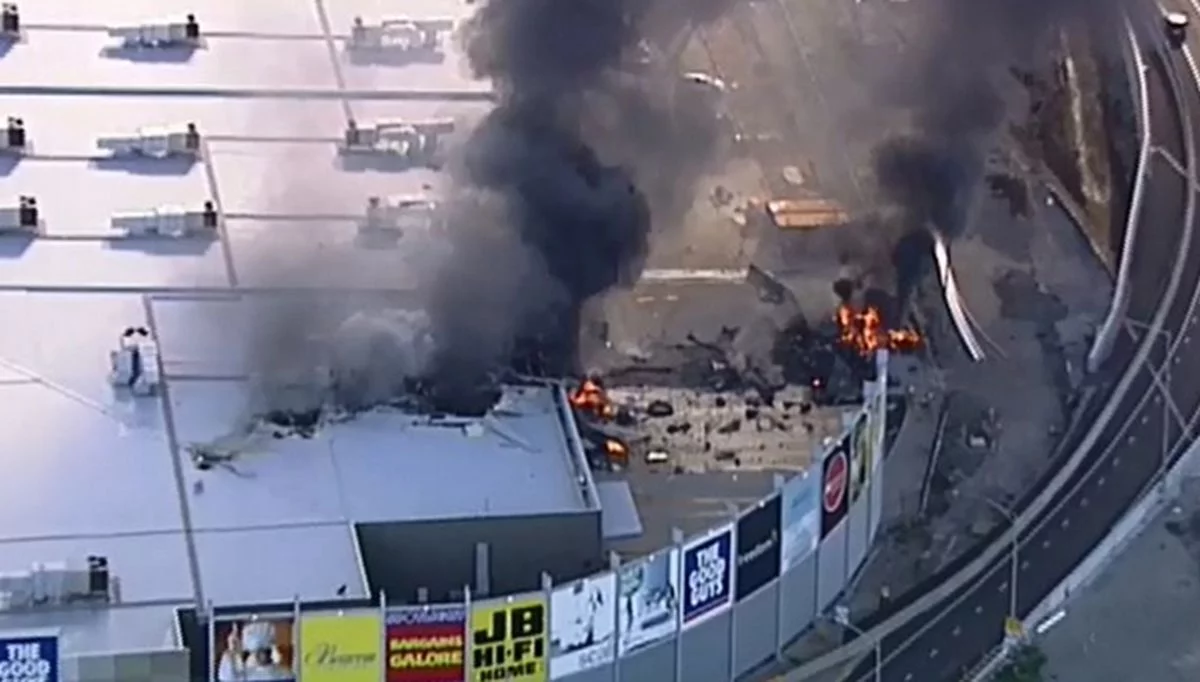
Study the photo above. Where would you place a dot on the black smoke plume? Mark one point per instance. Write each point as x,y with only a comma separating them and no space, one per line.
953,80
551,200
558,188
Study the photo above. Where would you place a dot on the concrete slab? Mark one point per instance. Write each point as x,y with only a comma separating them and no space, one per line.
245,566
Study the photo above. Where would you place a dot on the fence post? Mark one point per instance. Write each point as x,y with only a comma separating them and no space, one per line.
677,542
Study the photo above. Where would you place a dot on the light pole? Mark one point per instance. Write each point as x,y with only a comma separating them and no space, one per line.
841,616
1013,551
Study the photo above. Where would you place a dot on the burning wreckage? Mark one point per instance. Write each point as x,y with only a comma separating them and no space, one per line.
719,390
809,365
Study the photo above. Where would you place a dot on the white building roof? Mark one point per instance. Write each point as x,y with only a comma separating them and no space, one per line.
86,473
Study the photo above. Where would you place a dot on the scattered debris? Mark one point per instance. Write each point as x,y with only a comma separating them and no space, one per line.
659,408
1013,191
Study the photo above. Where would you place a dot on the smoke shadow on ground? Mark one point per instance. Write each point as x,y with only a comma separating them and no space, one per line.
148,55
380,163
164,246
15,245
393,58
1022,298
143,165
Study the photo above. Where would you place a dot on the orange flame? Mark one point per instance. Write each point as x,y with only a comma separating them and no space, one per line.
864,331
591,399
616,451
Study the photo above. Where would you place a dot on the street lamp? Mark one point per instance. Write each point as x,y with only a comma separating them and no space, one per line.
1013,549
841,616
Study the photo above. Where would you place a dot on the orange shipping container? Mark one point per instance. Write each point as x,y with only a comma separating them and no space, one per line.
806,214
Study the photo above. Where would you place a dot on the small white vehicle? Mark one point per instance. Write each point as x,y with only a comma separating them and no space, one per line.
154,142
20,218
398,215
134,365
1176,25
10,21
159,36
416,140
400,35
12,137
168,221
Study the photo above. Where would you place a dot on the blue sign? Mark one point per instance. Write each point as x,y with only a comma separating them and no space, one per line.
707,576
25,658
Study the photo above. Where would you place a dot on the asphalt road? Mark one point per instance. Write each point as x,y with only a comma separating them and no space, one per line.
947,642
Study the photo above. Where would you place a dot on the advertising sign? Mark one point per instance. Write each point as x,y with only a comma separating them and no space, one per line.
254,648
583,625
835,475
508,641
344,648
862,453
757,548
648,592
29,658
707,576
801,519
425,643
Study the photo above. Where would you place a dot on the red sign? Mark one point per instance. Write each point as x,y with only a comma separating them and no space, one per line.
426,644
835,482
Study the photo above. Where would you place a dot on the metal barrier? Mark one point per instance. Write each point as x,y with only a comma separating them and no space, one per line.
1106,335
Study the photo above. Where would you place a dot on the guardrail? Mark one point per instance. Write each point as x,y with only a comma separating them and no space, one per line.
958,313
1106,335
